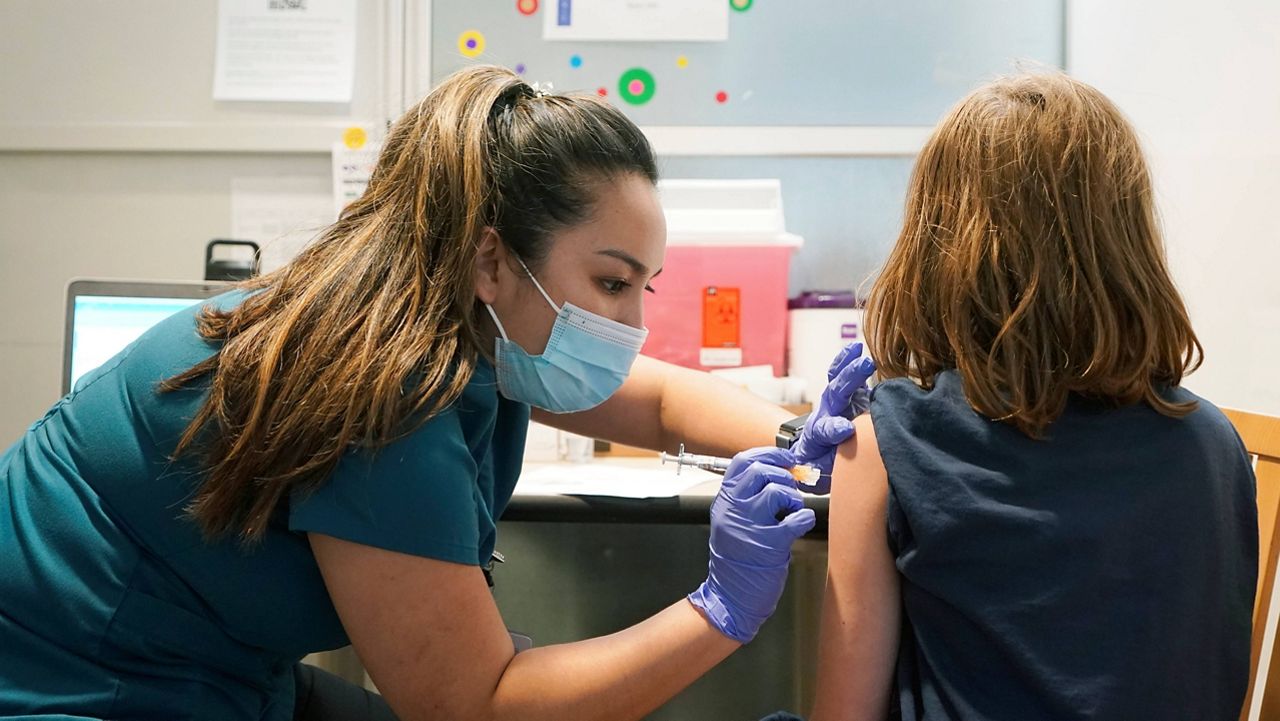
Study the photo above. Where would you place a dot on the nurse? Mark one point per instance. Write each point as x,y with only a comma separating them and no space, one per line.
319,457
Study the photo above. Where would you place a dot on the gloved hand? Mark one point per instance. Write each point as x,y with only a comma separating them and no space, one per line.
831,422
750,547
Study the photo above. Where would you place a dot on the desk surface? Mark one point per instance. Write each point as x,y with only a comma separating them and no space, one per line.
692,506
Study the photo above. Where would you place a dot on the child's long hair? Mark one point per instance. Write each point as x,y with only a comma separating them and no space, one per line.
1031,261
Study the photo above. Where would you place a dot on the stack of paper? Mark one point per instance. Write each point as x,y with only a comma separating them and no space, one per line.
609,479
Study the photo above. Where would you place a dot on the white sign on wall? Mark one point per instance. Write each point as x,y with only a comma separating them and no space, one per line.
293,50
645,20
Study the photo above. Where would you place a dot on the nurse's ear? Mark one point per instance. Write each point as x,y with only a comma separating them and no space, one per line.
491,256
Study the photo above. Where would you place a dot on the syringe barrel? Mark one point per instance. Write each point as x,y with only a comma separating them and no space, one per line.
714,464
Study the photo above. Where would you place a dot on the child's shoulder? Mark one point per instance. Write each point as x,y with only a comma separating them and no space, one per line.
908,393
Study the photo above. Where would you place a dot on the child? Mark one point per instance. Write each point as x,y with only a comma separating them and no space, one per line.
1035,521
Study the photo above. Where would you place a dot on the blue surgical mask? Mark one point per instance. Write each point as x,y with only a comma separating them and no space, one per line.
586,359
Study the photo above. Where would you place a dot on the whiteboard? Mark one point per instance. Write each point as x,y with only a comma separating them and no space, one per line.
786,63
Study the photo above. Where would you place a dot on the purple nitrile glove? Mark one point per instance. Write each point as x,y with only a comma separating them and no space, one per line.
750,547
831,422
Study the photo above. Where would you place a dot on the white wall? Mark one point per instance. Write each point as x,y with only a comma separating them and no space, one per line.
112,215
1201,81
133,78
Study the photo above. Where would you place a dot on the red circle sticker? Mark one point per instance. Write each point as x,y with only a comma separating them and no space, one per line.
527,7
722,97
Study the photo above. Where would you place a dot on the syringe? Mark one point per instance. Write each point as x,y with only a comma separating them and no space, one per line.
715,464
804,473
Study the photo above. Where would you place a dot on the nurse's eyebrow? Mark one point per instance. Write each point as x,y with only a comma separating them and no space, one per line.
625,257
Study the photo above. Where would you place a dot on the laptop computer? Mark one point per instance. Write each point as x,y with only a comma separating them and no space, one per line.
104,316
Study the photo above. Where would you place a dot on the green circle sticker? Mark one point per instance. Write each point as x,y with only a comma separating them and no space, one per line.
636,86
741,5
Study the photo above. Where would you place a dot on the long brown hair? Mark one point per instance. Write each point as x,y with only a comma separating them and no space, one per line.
1031,260
373,329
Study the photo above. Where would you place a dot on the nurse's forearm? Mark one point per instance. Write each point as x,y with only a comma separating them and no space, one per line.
662,405
710,415
625,675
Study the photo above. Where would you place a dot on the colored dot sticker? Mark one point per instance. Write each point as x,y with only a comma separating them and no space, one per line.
722,97
354,138
682,62
520,68
575,61
741,5
527,7
602,92
636,86
471,43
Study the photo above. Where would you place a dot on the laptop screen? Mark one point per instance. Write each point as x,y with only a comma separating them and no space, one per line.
103,317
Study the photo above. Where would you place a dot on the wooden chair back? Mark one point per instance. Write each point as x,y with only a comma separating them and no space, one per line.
1261,436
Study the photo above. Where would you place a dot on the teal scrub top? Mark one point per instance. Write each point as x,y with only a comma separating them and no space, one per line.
111,604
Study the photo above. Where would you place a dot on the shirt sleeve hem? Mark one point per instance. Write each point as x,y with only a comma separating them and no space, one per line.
449,552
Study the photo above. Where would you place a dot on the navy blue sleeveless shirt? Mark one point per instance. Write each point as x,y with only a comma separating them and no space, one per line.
1104,572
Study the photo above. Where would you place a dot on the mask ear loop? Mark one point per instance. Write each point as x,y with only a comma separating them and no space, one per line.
538,285
496,322
493,314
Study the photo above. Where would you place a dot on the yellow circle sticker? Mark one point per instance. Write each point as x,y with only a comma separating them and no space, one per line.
354,138
471,43
682,62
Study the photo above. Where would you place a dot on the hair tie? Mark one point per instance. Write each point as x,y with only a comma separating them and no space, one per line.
542,90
